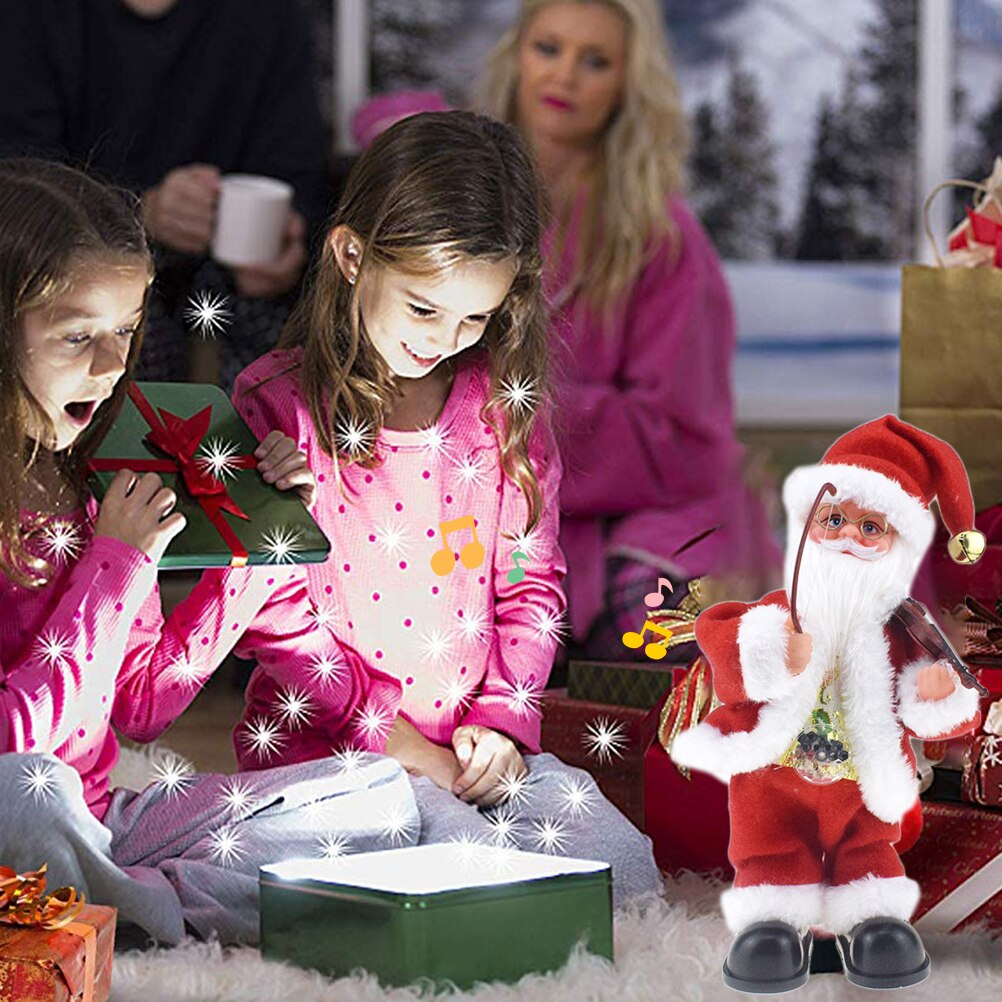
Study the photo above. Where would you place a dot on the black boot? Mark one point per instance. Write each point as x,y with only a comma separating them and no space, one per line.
883,953
768,958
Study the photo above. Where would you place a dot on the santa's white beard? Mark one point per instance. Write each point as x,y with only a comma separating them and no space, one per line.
839,591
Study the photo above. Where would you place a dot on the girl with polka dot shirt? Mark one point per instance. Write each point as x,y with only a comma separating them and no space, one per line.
413,376
84,647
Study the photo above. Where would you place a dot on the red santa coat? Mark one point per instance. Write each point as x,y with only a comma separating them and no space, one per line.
764,707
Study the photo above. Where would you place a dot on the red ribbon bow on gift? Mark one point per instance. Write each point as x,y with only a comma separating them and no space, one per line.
982,231
181,438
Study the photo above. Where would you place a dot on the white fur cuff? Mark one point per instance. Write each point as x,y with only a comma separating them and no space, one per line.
762,637
798,904
869,897
931,718
704,749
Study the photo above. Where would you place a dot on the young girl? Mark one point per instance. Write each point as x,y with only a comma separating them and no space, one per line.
83,643
413,377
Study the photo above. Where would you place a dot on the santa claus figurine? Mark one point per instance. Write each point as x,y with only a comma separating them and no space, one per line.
821,689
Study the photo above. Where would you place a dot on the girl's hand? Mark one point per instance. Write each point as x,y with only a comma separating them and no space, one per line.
421,757
136,510
486,756
285,466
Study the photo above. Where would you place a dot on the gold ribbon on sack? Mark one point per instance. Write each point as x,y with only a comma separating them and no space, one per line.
682,619
24,903
688,704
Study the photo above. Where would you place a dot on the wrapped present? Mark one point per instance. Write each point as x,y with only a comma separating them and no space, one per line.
53,947
685,814
982,775
192,437
606,740
620,683
448,912
958,864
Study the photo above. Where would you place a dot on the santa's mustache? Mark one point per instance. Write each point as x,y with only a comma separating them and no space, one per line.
843,544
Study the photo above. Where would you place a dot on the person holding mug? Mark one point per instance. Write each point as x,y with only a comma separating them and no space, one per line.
642,323
166,98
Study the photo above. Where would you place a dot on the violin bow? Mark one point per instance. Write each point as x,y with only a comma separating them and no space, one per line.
826,489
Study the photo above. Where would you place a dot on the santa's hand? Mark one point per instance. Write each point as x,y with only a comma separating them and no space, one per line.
799,648
936,682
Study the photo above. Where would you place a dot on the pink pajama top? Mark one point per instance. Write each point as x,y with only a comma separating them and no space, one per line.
646,422
91,650
466,646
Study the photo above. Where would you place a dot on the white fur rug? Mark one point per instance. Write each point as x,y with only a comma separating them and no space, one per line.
669,950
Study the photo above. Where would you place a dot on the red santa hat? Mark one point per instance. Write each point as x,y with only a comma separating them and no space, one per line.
894,468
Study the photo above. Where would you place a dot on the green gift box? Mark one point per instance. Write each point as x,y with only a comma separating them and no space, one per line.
448,912
619,683
190,435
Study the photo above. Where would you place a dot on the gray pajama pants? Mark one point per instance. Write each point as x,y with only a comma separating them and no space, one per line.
189,853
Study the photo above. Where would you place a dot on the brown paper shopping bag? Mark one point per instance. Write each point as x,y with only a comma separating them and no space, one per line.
951,365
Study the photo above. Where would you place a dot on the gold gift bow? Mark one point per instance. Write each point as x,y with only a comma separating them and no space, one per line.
24,903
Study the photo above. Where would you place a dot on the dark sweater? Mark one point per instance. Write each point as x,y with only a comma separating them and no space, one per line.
223,82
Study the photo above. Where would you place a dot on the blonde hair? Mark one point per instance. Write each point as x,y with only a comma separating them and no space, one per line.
643,149
432,190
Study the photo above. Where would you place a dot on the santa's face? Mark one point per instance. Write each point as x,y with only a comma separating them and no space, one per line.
848,528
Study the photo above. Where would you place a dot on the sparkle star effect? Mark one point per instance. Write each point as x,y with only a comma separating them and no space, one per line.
354,437
208,313
549,625
236,798
333,846
436,646
52,647
436,440
374,721
184,670
38,779
294,708
474,626
472,470
392,539
505,823
576,797
523,697
524,541
514,787
349,761
262,737
61,541
550,835
281,544
174,774
326,669
605,739
470,848
397,824
226,847
322,615
456,692
519,393
219,458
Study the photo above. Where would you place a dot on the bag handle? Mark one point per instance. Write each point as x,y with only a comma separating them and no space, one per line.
952,183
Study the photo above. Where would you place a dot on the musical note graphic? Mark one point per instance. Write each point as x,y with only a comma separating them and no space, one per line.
516,575
655,598
656,649
471,555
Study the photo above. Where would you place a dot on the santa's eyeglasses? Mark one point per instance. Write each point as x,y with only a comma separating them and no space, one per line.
871,524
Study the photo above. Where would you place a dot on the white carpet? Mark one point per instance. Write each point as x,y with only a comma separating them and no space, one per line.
672,950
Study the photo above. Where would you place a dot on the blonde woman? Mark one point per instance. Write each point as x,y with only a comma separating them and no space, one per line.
642,310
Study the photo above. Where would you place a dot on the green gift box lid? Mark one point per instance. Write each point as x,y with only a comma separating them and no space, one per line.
619,683
278,529
450,912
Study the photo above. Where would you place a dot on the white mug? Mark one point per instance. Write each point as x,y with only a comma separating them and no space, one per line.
250,219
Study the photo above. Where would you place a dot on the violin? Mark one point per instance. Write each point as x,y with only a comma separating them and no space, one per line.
914,617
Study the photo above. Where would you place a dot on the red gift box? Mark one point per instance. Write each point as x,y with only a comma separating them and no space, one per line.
958,864
69,964
982,778
607,741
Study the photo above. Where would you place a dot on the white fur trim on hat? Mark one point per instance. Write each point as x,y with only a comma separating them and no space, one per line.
869,489
933,718
798,904
846,905
762,637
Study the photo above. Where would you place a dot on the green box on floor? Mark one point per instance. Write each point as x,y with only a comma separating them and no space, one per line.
447,912
619,683
193,438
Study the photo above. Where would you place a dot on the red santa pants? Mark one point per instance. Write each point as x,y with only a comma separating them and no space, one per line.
786,830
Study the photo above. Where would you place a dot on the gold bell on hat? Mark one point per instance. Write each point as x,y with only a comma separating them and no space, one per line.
967,547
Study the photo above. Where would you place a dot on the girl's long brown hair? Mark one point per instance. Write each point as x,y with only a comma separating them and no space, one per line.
432,190
54,222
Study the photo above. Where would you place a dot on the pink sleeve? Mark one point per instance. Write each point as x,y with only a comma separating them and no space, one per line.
664,426
528,616
71,665
269,406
